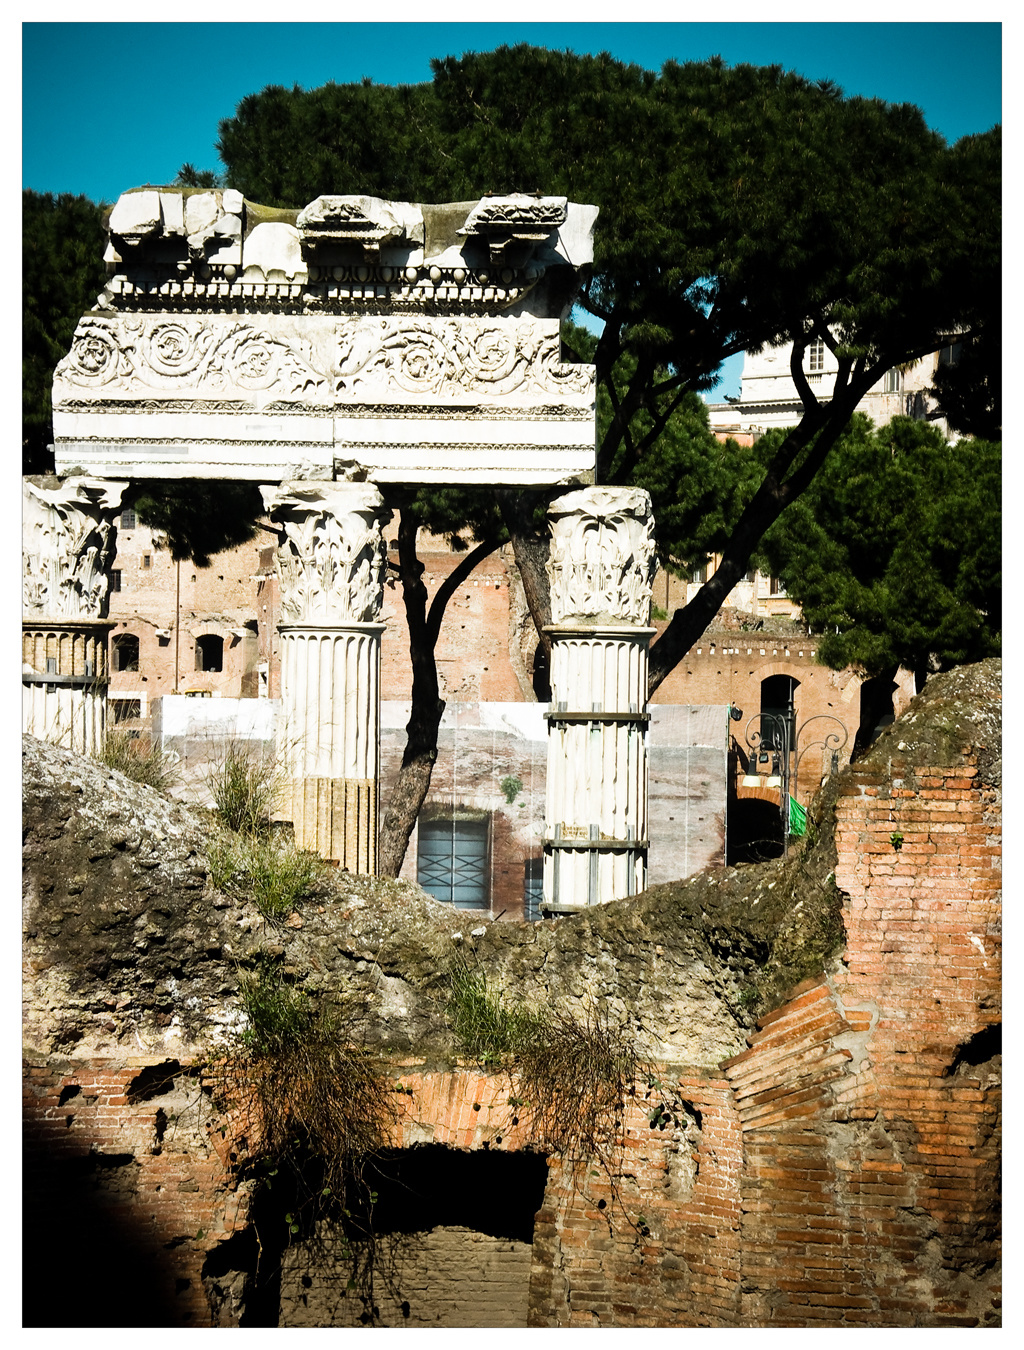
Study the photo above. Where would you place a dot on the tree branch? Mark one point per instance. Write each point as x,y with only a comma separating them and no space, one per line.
452,583
780,485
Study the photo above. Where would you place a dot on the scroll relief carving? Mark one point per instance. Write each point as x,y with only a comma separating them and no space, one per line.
384,360
332,559
449,359
68,548
116,356
602,561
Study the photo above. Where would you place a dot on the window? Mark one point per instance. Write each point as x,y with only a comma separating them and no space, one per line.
876,709
128,520
950,356
451,861
775,587
125,709
778,716
892,382
816,356
533,888
209,652
147,560
124,652
115,579
699,573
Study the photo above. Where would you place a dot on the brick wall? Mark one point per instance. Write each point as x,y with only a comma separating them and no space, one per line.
472,652
218,600
125,1195
449,1277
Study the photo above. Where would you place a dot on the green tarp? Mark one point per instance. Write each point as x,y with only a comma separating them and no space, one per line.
797,817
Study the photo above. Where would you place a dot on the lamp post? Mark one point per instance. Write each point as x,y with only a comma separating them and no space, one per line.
774,741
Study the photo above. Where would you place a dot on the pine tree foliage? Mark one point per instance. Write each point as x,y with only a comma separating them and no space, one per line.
61,275
893,552
199,517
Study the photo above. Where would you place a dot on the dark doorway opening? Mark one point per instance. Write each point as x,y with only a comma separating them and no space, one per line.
209,652
755,831
432,1186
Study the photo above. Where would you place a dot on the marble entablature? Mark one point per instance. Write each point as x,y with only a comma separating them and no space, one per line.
356,338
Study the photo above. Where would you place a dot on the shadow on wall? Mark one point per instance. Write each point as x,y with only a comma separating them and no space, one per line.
83,1263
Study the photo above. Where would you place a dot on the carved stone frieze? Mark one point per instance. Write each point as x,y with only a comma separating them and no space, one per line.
513,225
445,359
375,360
228,331
332,558
68,547
602,561
186,354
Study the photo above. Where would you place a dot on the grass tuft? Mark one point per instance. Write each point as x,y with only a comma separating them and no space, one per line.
279,875
138,760
244,785
484,1026
275,876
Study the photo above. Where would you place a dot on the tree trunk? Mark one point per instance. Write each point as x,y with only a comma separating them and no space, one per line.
531,554
413,781
809,442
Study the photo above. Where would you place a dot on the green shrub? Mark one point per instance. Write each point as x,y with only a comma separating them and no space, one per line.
484,1027
277,1015
321,1107
138,760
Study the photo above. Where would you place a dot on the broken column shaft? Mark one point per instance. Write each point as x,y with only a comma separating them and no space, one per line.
601,570
331,563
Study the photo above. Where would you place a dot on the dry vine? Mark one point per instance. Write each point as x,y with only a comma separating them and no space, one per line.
308,1110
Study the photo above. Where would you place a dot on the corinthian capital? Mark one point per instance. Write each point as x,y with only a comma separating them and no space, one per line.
602,561
332,558
68,546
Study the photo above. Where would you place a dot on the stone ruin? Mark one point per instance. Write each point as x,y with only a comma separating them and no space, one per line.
818,1146
319,353
822,1143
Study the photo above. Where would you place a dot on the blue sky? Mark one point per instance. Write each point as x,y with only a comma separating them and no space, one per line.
108,106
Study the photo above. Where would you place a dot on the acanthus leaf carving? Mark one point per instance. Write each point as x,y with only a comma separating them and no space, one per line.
331,559
448,359
122,355
603,561
68,547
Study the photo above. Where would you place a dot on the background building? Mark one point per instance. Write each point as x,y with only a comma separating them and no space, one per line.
768,395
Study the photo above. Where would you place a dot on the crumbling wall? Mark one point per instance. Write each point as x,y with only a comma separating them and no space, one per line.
821,1145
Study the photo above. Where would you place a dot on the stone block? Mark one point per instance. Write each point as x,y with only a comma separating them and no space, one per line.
201,212
172,207
136,215
273,247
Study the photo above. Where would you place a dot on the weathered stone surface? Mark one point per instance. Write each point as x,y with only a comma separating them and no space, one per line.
835,1165
119,910
384,340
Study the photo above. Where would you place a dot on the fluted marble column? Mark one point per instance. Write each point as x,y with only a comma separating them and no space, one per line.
601,570
68,546
331,565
